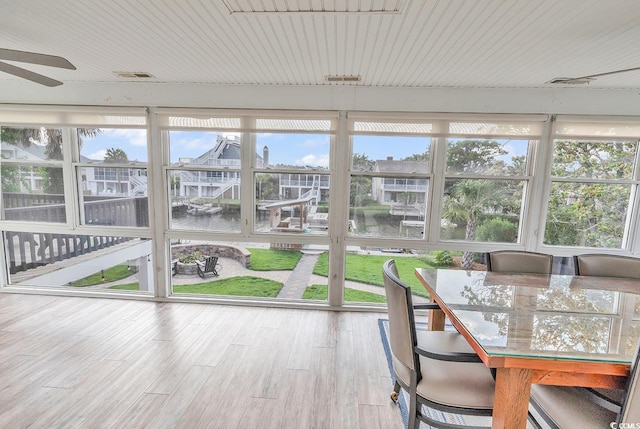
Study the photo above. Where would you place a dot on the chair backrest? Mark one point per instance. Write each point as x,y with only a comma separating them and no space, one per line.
402,331
516,261
596,264
210,263
630,411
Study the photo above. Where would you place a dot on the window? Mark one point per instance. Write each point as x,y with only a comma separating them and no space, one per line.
389,179
291,176
593,183
487,177
205,180
32,173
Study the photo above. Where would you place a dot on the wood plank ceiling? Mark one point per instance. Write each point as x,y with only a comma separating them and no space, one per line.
387,43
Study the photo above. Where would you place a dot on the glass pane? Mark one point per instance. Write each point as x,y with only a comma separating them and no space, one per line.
593,159
491,157
255,270
81,262
387,206
113,145
32,193
292,203
208,148
35,144
363,267
587,214
482,210
114,196
202,199
300,151
391,154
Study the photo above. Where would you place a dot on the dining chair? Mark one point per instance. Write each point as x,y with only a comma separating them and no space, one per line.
572,407
437,342
603,265
443,380
518,261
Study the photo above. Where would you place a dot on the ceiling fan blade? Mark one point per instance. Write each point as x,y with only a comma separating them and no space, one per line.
587,79
29,75
33,58
608,73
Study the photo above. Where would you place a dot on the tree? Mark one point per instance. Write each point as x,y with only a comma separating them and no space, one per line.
591,213
361,186
267,187
498,230
115,156
475,156
467,201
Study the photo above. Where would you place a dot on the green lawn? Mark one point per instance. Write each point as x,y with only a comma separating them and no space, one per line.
320,292
368,269
110,275
234,286
128,286
273,260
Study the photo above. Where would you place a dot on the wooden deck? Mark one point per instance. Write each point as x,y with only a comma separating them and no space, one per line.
68,362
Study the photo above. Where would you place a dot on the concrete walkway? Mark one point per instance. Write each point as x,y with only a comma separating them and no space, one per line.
298,281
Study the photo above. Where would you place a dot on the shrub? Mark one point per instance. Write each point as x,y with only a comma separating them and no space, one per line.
497,230
190,258
443,258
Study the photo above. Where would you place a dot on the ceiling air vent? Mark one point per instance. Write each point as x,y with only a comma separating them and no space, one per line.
134,75
343,78
316,7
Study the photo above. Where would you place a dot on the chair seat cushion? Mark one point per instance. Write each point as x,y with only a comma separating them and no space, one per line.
456,384
570,407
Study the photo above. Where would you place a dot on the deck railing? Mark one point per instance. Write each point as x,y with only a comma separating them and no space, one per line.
27,250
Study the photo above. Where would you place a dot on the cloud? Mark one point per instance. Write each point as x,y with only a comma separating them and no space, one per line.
133,137
321,160
97,156
315,142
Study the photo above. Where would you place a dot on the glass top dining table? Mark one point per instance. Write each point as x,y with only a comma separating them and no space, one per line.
548,329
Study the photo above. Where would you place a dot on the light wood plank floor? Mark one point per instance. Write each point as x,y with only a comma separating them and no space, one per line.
68,362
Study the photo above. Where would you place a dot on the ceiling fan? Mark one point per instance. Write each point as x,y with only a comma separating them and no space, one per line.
586,79
32,58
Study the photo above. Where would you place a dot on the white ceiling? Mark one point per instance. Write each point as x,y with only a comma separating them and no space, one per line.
485,44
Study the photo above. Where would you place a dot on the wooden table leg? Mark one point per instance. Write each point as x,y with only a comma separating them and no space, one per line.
511,401
436,320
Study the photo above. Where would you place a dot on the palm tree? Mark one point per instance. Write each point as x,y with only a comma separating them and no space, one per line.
468,201
115,156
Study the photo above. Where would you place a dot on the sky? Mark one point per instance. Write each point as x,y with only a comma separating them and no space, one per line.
284,148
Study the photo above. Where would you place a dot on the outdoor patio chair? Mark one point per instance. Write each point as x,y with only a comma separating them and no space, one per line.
208,267
507,261
447,381
603,265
